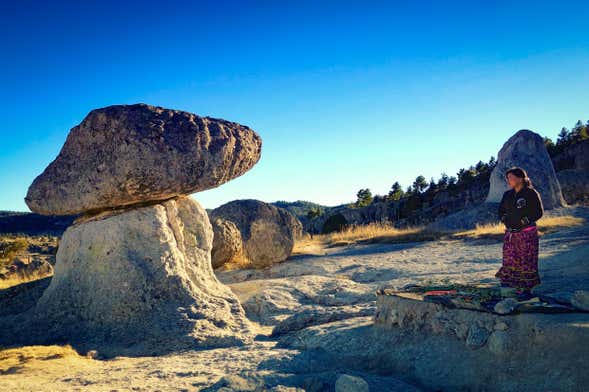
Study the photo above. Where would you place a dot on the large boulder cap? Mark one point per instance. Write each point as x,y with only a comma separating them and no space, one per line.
128,154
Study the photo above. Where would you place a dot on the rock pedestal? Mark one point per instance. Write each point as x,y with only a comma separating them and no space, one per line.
141,279
526,149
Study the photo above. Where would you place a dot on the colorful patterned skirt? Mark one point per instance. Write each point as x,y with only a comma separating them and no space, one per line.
520,259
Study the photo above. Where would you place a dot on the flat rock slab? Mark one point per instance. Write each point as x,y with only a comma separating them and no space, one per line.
481,297
128,154
456,349
459,349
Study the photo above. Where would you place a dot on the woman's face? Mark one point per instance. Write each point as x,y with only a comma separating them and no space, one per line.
513,181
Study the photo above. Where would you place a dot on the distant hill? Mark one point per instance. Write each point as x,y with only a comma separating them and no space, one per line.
299,208
13,222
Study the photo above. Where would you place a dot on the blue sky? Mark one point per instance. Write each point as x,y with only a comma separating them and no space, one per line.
345,95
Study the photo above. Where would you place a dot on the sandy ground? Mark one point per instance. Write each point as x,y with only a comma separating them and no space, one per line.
342,278
47,370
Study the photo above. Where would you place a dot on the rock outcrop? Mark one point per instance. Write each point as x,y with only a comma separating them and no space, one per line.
526,149
572,167
574,157
268,232
126,154
460,349
574,184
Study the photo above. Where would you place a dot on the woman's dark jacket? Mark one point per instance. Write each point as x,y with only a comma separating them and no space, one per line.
518,210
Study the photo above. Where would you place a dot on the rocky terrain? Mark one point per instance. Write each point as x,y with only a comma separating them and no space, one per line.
314,321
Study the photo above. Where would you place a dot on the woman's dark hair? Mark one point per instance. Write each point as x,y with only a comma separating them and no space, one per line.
521,173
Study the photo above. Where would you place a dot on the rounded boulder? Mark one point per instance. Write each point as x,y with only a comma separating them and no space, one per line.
268,232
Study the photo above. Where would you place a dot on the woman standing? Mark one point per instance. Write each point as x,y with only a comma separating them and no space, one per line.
520,208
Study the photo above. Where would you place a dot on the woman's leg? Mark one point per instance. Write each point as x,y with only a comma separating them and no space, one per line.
529,257
505,273
520,260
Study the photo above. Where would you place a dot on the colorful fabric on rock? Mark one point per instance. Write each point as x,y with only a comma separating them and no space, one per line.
520,259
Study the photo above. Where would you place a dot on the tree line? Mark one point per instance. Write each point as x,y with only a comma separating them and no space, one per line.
423,189
567,138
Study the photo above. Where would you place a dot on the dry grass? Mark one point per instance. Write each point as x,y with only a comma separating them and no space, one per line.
381,233
237,262
15,360
545,225
385,233
6,283
27,250
10,248
371,233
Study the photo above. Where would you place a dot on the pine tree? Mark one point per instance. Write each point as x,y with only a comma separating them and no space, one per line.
432,187
443,181
364,198
481,167
419,184
550,146
314,212
396,192
492,162
563,136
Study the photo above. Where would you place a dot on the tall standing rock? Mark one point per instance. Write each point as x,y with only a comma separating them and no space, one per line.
526,149
127,154
141,280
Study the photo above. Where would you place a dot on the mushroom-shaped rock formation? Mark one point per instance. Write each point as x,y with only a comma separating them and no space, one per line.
133,274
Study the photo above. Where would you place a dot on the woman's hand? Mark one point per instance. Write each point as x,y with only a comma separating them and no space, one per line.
511,220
